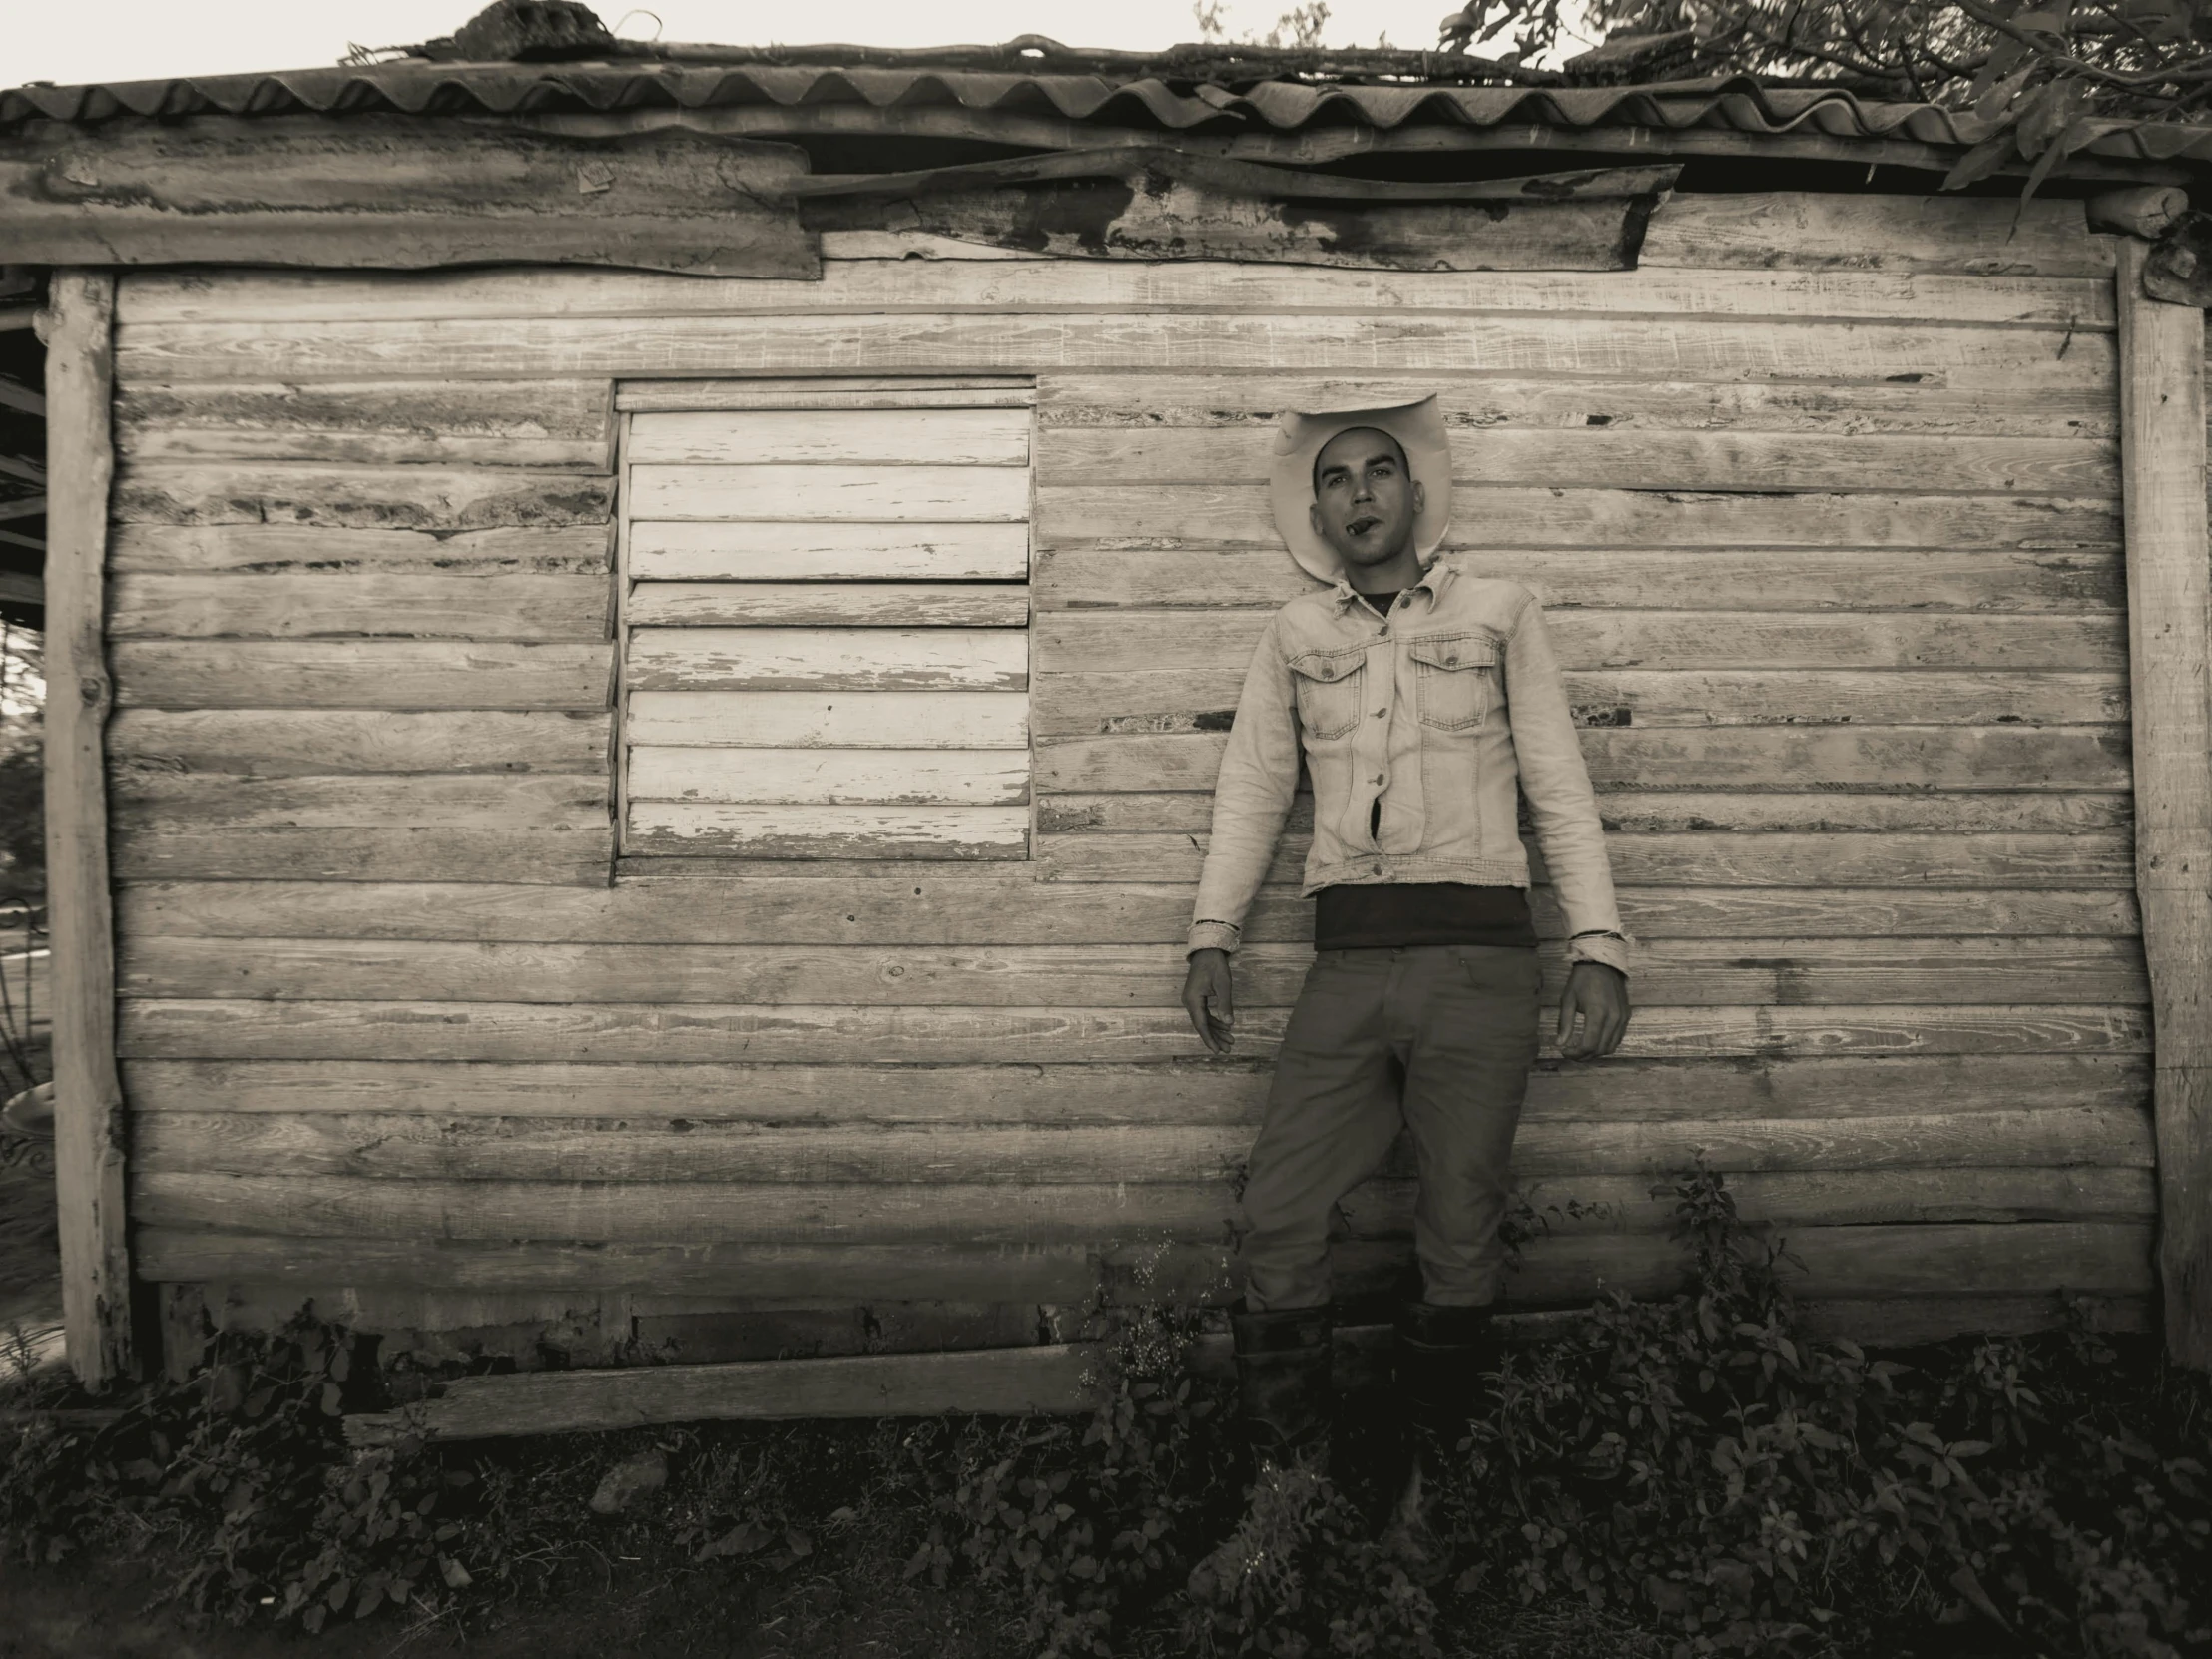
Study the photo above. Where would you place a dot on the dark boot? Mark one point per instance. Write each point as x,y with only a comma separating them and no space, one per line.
1282,1381
1282,1385
1442,1354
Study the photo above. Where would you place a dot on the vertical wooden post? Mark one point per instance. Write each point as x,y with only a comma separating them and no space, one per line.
88,1095
2169,638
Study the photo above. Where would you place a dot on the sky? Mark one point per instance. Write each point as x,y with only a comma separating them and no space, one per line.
132,40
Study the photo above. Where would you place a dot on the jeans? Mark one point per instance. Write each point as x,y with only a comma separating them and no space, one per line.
1437,1038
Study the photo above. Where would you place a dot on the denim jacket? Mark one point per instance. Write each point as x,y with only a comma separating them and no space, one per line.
1446,710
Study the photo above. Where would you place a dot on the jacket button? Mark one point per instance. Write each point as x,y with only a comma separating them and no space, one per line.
1379,712
1379,778
1379,869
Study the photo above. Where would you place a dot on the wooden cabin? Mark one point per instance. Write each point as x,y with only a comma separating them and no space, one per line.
631,734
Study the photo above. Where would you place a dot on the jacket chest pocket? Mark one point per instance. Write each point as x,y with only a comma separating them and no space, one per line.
1454,679
1328,687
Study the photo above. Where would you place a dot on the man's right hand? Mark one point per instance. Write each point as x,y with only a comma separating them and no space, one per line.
1208,1000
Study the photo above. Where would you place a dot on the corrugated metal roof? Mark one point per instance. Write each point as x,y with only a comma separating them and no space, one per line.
416,86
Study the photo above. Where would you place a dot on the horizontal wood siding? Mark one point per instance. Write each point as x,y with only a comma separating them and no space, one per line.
1826,508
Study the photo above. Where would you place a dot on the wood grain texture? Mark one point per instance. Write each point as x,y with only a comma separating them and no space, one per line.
1920,403
981,906
287,742
1802,579
161,852
827,605
1215,1093
1013,1381
155,799
282,549
2162,417
1013,283
837,494
1109,641
1680,810
392,675
828,391
2090,859
917,776
297,190
1560,1272
89,1128
1604,457
1918,1261
399,1147
996,1213
837,832
1110,701
251,606
830,719
358,497
2016,361
839,659
1776,972
1894,756
216,1029
1511,516
846,438
542,422
1875,233
798,551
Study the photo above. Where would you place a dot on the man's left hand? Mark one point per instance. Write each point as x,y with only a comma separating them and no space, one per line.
1598,994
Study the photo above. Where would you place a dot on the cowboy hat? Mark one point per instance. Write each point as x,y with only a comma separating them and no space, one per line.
1299,434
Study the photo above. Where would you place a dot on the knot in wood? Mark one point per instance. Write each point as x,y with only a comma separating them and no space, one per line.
91,688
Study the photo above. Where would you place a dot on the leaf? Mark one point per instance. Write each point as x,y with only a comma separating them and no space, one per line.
2047,112
799,1545
1970,1586
1979,162
2077,134
455,1576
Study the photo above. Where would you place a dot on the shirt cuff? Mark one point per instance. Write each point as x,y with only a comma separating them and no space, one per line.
1608,948
1212,935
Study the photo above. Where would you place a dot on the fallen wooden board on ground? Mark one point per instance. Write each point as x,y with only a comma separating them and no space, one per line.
992,1381
1062,1379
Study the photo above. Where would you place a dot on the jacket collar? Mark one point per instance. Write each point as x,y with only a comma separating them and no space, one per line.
1435,578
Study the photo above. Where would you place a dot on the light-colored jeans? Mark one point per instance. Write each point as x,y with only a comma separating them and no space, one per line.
1437,1038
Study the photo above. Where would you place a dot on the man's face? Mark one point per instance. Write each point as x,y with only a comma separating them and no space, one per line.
1365,501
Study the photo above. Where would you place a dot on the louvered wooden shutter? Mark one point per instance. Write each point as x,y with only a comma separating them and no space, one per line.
826,648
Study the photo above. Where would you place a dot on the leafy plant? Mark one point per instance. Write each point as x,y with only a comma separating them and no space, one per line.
1704,1463
1694,1475
2039,79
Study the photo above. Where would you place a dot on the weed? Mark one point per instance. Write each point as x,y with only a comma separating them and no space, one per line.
1688,1476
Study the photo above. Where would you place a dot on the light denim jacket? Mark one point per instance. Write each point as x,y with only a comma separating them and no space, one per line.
1447,711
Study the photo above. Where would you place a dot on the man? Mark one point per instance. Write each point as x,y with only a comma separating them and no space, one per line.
1424,698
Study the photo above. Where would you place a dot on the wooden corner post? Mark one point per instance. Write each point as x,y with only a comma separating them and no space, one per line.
88,1094
2169,641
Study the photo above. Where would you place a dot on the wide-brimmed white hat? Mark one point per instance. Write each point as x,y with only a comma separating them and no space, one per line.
1299,437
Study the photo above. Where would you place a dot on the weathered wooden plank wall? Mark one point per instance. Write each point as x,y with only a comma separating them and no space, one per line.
1836,549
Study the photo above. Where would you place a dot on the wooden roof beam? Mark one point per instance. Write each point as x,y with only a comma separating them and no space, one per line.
1319,145
14,394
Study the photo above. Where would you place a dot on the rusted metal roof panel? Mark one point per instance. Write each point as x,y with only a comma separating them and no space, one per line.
1738,103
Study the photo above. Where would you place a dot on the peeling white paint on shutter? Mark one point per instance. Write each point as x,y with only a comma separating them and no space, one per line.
824,623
